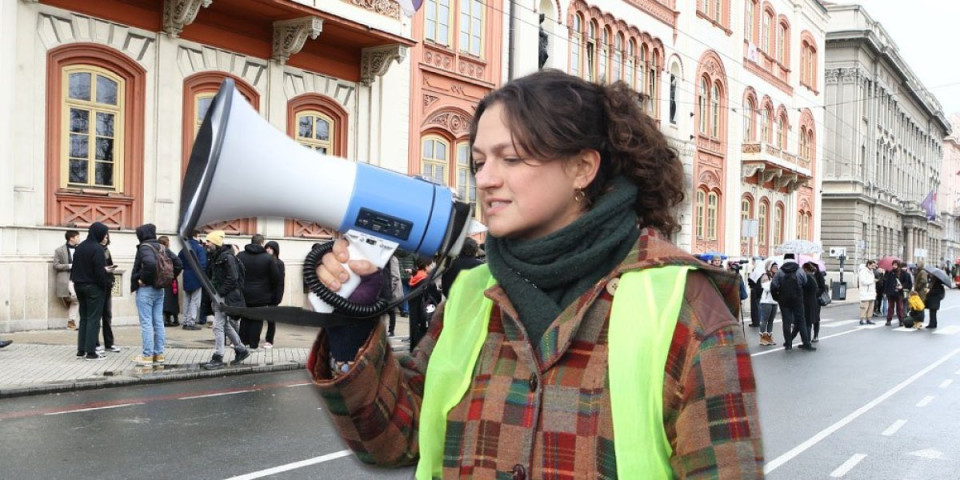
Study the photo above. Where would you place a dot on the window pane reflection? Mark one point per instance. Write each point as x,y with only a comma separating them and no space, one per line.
78,171
106,90
79,87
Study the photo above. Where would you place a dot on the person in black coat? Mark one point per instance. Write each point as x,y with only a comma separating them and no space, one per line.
227,274
259,287
878,309
934,296
467,260
811,297
171,294
273,248
91,280
895,283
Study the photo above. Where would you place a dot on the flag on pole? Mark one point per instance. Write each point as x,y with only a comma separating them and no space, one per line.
929,205
410,7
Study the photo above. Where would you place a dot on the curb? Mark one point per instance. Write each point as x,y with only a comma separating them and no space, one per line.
110,379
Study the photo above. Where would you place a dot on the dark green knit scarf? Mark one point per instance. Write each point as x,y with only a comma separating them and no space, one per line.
544,276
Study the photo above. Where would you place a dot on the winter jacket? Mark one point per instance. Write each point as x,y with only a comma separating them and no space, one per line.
564,383
145,262
890,282
263,276
62,258
281,285
408,266
867,284
225,270
191,279
89,261
789,298
935,294
764,283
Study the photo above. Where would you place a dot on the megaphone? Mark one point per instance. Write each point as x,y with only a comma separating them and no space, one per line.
241,166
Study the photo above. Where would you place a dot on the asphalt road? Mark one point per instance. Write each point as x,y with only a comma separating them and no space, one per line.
872,403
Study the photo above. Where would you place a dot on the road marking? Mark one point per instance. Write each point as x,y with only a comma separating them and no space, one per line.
94,408
795,451
927,453
779,348
893,428
926,401
946,383
220,394
847,466
951,330
292,466
299,384
837,323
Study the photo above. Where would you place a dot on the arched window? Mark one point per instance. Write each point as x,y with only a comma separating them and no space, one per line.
762,221
702,105
748,120
575,45
618,58
437,20
631,51
319,123
781,49
750,17
766,117
591,51
435,156
92,136
701,207
604,54
715,111
802,225
466,185
642,72
765,31
314,131
713,200
471,26
803,143
778,225
653,78
782,131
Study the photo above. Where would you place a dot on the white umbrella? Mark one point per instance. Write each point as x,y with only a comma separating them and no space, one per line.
805,247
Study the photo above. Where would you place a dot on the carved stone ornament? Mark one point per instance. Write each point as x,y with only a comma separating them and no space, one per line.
290,35
375,61
451,121
428,100
180,13
389,8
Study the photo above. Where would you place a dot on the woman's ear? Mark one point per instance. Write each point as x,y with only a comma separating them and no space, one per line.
586,165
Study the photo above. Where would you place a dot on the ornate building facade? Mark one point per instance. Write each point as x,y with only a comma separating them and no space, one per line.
884,146
948,197
102,100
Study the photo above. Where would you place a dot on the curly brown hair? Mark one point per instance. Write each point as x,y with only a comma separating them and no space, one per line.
555,116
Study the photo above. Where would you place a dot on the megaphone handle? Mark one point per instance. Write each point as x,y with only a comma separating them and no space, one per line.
360,247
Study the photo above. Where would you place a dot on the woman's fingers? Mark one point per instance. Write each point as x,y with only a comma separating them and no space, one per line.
362,267
330,271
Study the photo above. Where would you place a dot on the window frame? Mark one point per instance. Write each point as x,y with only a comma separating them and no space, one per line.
576,39
433,160
67,104
432,34
471,35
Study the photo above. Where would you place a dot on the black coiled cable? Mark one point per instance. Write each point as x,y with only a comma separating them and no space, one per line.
340,305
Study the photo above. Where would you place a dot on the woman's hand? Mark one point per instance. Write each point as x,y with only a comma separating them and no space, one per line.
331,272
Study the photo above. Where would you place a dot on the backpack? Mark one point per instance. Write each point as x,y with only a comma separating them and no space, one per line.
164,274
788,283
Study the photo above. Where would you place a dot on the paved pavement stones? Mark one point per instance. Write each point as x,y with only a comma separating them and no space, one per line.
45,361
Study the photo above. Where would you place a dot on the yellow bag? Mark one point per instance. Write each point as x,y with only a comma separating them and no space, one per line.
915,302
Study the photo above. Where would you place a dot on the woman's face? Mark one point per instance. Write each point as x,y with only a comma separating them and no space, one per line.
524,197
774,268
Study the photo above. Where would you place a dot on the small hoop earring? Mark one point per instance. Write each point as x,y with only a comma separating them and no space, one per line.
579,195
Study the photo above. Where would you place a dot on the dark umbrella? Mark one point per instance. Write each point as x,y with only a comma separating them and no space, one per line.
940,274
886,263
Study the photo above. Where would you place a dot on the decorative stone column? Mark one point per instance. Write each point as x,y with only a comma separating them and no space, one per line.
180,13
290,35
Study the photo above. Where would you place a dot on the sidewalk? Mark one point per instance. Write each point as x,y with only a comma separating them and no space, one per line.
45,361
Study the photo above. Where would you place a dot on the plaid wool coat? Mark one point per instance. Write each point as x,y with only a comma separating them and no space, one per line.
544,412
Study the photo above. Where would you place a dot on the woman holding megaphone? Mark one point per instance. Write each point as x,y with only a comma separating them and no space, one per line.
588,346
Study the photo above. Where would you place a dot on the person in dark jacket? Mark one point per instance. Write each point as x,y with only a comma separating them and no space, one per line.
422,306
935,295
273,248
91,280
171,294
467,260
408,266
226,277
259,287
149,297
816,285
107,316
895,283
193,293
789,295
880,302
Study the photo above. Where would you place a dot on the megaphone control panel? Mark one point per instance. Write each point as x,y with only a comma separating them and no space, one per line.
384,224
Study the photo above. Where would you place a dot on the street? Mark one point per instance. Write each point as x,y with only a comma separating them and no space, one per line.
872,403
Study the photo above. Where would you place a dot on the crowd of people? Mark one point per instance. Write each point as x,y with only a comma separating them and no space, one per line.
84,283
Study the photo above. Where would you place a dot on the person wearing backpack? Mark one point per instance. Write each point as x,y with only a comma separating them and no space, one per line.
787,289
154,267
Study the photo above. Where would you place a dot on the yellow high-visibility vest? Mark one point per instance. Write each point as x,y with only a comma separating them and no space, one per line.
636,361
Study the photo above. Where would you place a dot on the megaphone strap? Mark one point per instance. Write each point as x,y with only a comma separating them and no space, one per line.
295,316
